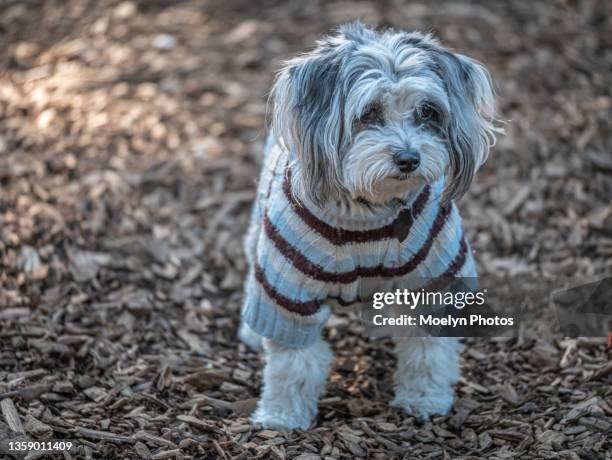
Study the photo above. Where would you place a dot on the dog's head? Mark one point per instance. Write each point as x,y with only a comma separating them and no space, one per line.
373,115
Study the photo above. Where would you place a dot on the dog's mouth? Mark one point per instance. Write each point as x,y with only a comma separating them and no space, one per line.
400,177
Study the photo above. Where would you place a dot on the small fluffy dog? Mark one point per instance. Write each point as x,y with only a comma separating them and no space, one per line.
374,134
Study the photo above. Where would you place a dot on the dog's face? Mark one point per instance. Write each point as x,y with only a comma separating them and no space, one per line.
374,115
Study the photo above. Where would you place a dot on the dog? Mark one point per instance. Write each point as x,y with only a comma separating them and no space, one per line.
374,135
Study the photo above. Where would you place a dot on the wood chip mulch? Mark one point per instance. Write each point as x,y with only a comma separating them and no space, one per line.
129,141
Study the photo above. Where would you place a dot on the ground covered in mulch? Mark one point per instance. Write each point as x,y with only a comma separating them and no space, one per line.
130,134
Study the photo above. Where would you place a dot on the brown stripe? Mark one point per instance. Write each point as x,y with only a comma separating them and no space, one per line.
438,283
340,236
446,278
345,303
304,265
457,264
301,262
421,255
273,176
293,306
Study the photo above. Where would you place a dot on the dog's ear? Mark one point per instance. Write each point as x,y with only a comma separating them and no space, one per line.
308,117
471,129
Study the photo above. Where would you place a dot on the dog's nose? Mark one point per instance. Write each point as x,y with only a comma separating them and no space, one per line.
407,160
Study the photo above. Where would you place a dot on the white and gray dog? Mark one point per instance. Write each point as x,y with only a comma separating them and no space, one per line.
374,134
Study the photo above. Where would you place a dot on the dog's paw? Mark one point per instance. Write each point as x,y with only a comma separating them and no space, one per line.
281,420
251,338
425,405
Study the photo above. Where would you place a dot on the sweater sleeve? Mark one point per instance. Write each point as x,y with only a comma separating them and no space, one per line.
271,312
281,302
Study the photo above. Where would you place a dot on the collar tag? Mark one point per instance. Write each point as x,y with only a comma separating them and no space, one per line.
402,224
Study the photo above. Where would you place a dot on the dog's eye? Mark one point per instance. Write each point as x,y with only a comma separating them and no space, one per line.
427,113
372,114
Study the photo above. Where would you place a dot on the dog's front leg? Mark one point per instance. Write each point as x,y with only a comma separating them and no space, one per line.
293,380
427,369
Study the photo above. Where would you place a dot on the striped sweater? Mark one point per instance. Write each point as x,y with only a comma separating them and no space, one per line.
303,260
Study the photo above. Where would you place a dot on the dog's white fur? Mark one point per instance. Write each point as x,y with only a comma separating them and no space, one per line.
293,382
341,160
427,369
250,337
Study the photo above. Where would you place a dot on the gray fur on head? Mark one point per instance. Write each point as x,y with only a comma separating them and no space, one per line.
360,97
